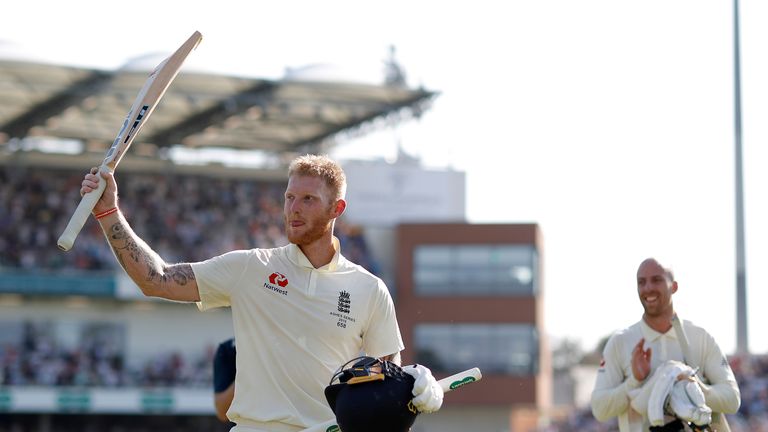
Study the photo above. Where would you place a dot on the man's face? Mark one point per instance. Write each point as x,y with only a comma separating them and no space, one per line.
655,288
308,211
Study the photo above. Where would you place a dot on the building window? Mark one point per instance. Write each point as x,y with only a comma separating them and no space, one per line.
511,349
475,270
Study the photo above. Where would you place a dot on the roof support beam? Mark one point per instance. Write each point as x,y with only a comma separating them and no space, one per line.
260,94
56,104
414,102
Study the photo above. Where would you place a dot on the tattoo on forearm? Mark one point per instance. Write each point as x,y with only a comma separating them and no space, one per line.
117,233
180,274
152,274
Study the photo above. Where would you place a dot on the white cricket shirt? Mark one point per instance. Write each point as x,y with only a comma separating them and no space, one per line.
610,397
295,325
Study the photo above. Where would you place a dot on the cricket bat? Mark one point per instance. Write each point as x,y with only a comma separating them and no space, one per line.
682,339
150,94
448,384
719,422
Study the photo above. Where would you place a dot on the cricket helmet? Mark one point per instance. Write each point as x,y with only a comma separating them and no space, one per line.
371,395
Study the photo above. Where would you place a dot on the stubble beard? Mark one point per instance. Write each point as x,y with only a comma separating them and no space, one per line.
317,229
654,311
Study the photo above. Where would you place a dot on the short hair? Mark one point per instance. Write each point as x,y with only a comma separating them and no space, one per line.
323,167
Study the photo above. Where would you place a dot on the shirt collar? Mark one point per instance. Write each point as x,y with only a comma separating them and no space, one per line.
651,335
297,257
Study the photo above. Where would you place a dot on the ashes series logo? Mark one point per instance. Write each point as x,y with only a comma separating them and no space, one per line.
344,302
277,281
343,307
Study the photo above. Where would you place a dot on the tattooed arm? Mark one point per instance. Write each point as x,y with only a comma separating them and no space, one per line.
152,274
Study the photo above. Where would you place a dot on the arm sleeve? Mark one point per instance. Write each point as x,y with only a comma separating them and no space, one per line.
722,393
610,397
217,277
224,366
382,335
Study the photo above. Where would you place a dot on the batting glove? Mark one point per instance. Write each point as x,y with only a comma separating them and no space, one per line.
687,402
427,393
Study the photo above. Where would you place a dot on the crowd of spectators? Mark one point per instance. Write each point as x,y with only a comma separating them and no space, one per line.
35,356
183,217
752,374
97,358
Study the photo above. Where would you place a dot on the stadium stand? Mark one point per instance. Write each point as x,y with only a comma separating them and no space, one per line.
80,348
32,355
109,423
173,212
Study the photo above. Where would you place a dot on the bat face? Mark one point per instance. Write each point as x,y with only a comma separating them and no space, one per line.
136,123
113,149
124,138
150,94
153,90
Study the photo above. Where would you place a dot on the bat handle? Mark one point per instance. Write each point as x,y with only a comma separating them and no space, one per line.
462,378
329,426
83,210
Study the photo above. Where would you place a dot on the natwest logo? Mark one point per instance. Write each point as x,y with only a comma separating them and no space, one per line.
278,279
276,282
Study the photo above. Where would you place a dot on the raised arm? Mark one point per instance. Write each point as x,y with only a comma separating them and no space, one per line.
155,277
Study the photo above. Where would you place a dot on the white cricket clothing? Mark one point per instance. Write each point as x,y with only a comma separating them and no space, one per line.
610,397
295,325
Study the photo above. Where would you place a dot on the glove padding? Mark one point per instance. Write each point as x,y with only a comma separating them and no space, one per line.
686,400
655,397
427,393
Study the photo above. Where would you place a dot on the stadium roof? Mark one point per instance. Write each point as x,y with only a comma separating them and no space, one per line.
198,110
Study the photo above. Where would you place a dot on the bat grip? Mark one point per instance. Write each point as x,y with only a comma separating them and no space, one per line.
462,378
83,210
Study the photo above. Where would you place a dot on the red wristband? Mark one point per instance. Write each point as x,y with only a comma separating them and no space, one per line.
105,213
